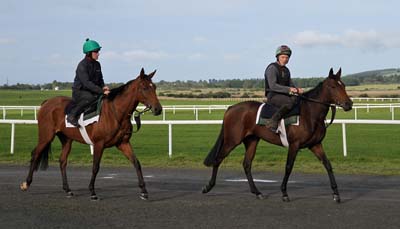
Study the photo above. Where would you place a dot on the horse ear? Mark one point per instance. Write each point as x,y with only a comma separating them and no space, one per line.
142,72
331,75
152,74
339,73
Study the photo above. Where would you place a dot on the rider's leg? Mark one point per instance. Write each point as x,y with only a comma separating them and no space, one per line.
285,104
82,99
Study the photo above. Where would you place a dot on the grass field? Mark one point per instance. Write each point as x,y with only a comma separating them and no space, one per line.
372,149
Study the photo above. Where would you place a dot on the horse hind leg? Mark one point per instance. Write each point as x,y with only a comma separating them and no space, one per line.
251,146
66,149
220,156
39,156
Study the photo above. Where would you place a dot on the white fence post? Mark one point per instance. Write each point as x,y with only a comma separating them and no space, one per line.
170,140
12,138
344,139
355,113
163,114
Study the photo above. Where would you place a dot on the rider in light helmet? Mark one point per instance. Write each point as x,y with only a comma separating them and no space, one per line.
279,86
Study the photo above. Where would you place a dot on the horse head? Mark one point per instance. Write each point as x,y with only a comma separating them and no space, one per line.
337,90
147,92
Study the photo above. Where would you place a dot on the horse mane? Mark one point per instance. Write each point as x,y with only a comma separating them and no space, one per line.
315,92
119,90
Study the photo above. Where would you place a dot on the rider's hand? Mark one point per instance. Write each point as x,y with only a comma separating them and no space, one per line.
294,90
300,90
106,90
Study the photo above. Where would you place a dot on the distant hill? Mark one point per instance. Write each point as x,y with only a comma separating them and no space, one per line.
383,76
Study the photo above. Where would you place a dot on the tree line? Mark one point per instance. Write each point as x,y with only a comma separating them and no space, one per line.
385,76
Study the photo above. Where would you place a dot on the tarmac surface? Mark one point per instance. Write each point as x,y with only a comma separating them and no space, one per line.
175,200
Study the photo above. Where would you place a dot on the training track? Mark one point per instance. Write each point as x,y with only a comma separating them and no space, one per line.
176,200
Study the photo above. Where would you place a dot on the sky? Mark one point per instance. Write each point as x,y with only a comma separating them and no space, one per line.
41,41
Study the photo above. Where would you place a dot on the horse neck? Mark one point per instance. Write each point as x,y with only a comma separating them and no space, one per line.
313,111
126,102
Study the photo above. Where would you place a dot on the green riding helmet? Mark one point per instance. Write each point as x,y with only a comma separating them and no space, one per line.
90,45
283,50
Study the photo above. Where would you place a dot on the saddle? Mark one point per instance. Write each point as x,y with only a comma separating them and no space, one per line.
89,112
89,115
266,111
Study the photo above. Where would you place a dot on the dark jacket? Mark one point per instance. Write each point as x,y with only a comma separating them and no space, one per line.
277,79
89,77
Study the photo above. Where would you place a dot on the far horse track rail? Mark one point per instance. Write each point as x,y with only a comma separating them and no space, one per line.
210,108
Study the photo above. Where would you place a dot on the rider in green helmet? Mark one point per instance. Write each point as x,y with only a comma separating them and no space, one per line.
279,86
88,83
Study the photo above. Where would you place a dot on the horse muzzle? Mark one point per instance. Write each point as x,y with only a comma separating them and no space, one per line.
348,105
156,110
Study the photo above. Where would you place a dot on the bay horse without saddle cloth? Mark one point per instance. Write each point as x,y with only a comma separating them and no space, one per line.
114,128
310,132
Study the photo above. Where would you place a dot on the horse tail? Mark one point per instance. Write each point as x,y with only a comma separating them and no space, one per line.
211,158
43,159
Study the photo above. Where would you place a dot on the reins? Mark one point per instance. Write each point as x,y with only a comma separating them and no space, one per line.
137,118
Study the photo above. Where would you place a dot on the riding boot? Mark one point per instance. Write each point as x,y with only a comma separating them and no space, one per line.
73,118
73,115
273,123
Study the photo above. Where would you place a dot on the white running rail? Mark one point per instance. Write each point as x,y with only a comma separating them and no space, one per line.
208,122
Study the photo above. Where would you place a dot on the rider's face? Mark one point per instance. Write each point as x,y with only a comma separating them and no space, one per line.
283,59
95,55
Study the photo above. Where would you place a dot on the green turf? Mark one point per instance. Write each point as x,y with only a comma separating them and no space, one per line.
372,149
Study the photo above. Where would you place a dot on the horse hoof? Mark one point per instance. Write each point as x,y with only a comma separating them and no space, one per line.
285,199
144,196
24,186
94,198
205,190
260,196
336,198
69,194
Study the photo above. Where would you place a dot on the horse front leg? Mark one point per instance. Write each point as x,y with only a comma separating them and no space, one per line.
127,150
320,154
97,154
292,153
251,146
